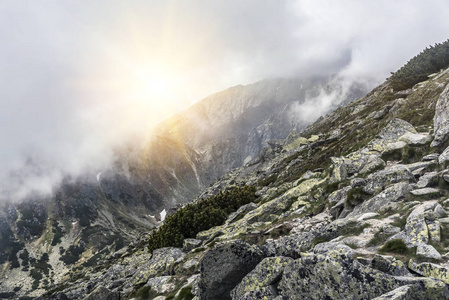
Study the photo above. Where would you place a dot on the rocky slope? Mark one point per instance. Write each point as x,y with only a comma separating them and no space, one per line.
44,240
355,207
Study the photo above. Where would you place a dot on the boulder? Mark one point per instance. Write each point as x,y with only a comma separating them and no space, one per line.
428,251
415,139
223,267
243,210
190,244
390,229
416,230
377,181
429,192
430,157
291,245
102,293
338,195
261,280
444,157
384,200
433,226
389,265
401,293
355,163
440,212
316,276
441,118
161,262
332,249
430,270
428,179
419,165
161,284
425,288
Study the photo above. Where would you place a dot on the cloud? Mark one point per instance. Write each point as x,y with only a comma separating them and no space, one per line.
69,71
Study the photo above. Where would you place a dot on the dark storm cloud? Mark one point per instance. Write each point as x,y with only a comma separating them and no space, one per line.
61,62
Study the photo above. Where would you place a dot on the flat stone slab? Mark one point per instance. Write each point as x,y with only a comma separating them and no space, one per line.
425,191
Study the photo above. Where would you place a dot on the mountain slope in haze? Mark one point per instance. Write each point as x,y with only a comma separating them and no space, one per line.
356,203
44,240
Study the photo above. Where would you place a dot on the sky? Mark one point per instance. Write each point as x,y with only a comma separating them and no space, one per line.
80,78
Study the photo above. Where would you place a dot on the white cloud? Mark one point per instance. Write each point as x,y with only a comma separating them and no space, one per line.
64,65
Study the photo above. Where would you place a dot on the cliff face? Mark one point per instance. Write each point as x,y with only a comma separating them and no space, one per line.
357,203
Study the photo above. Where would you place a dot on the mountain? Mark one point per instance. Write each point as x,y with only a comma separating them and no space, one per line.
353,207
45,240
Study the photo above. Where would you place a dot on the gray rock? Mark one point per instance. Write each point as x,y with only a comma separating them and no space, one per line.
190,244
358,182
377,181
420,165
444,156
333,249
401,293
441,118
102,293
415,139
428,179
440,212
223,267
243,210
260,281
425,288
161,284
430,157
426,192
427,251
315,276
416,231
395,129
161,262
291,245
430,270
390,229
389,265
385,199
354,163
338,195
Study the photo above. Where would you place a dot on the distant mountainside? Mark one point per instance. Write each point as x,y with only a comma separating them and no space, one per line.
88,218
355,206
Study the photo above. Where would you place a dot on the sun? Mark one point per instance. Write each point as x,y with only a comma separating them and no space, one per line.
152,86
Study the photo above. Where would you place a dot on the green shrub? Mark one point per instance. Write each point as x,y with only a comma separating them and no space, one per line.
394,246
199,216
430,60
58,234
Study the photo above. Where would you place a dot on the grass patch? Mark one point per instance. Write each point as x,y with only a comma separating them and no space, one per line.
379,238
352,228
396,246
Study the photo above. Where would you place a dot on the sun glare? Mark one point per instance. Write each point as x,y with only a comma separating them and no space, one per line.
151,86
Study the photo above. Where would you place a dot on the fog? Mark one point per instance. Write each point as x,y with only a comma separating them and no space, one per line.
80,79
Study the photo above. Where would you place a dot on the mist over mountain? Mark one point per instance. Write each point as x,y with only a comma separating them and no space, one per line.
80,81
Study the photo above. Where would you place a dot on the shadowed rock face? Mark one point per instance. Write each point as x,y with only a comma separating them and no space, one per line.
223,267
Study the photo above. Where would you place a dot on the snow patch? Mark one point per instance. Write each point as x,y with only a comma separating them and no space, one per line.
163,214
